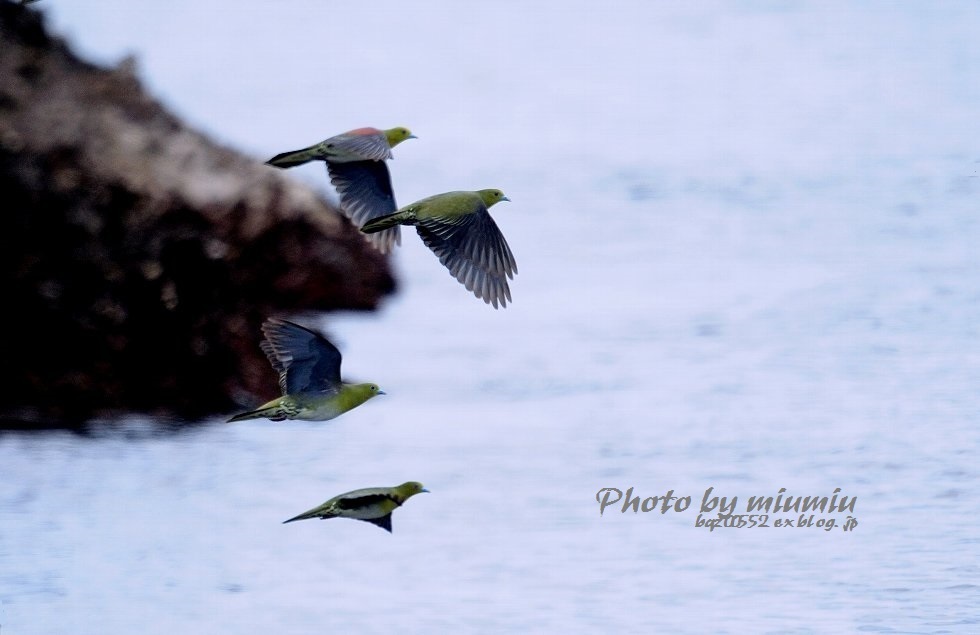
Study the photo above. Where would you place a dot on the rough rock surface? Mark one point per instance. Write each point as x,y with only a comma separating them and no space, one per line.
138,258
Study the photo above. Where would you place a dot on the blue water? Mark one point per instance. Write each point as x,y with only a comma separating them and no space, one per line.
746,235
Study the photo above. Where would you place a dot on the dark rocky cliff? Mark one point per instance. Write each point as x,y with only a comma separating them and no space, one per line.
138,258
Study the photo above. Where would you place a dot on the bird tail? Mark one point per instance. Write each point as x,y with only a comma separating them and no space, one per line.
294,158
313,513
272,410
382,223
300,517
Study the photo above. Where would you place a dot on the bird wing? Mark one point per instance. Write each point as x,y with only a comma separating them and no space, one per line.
384,522
365,498
365,193
306,361
362,504
276,364
472,247
364,146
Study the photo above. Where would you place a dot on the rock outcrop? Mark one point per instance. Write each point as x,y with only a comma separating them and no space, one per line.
138,258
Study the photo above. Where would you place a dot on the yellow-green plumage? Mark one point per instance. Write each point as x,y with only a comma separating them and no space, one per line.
362,144
458,228
371,504
356,165
309,377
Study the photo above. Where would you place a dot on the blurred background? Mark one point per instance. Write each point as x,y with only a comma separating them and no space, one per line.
746,235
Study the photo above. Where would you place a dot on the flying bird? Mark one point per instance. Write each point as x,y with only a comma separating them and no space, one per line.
373,504
309,376
458,228
356,165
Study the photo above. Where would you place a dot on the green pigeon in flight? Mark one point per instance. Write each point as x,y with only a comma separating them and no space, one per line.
356,165
458,228
309,376
372,504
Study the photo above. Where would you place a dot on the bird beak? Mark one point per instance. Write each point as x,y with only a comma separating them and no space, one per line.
504,198
424,490
411,136
381,392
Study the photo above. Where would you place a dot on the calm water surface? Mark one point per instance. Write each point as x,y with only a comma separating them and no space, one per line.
747,241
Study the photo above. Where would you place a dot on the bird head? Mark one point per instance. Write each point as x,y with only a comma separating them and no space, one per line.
359,393
492,197
397,135
411,488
